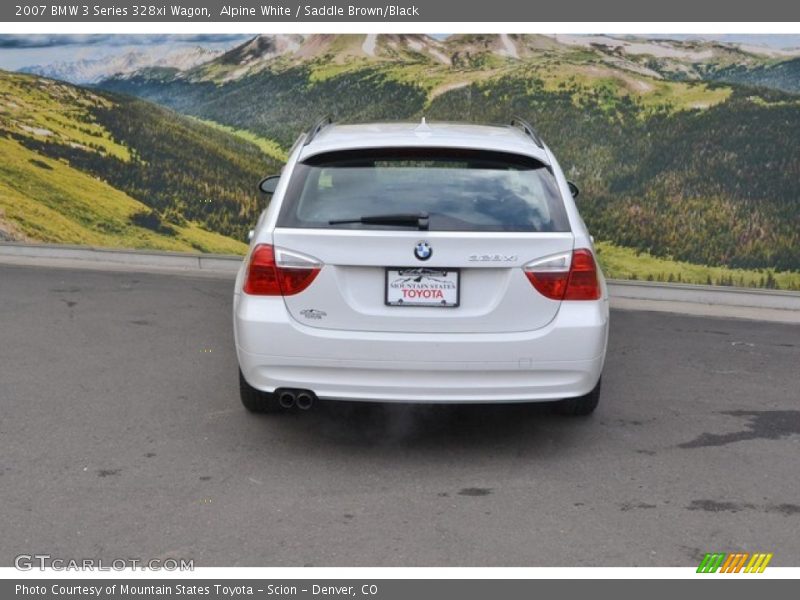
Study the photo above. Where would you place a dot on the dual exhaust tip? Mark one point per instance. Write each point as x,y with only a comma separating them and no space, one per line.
302,399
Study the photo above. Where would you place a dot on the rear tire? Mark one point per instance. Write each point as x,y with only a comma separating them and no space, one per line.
580,406
255,400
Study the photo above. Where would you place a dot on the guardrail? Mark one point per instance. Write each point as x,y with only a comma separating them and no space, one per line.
110,257
773,305
705,294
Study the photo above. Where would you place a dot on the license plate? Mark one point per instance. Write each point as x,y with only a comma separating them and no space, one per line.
419,286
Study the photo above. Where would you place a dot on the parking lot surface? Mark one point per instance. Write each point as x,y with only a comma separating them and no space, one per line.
123,437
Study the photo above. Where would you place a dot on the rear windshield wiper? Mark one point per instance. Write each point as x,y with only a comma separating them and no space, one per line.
418,220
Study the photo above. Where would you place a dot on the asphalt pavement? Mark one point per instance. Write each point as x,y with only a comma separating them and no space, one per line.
122,436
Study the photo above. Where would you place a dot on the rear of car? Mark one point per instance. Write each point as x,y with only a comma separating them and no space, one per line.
420,263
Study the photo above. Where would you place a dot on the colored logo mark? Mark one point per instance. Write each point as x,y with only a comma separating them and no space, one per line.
423,250
721,562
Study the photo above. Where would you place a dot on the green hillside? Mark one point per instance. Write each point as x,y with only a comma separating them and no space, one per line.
90,167
715,186
46,200
626,263
280,105
687,161
696,171
783,75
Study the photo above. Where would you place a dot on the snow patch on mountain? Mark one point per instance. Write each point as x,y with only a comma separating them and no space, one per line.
369,44
509,48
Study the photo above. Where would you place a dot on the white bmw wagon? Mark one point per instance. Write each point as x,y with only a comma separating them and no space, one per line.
420,262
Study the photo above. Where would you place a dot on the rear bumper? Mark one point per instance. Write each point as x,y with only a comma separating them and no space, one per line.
563,359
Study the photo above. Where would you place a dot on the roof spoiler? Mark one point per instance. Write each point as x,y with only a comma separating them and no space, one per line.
527,129
316,128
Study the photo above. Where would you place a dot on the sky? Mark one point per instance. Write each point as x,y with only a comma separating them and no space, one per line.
17,51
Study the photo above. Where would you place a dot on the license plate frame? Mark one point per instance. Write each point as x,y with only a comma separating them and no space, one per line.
442,278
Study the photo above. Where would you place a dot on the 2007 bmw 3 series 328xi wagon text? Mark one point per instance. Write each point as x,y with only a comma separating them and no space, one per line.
420,262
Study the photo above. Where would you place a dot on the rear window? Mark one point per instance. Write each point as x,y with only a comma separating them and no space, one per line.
460,190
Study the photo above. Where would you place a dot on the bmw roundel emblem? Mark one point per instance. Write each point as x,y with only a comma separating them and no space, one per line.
423,250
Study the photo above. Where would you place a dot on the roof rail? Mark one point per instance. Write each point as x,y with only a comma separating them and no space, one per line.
316,128
527,129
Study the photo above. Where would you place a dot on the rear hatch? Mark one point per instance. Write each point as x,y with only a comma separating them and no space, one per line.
424,241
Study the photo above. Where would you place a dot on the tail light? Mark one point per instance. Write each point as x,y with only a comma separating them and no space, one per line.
278,272
567,276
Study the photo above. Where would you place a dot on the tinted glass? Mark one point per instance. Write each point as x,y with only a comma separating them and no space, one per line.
460,190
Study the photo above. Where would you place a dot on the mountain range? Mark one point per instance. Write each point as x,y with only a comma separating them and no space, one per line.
684,149
690,59
93,70
658,58
677,153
